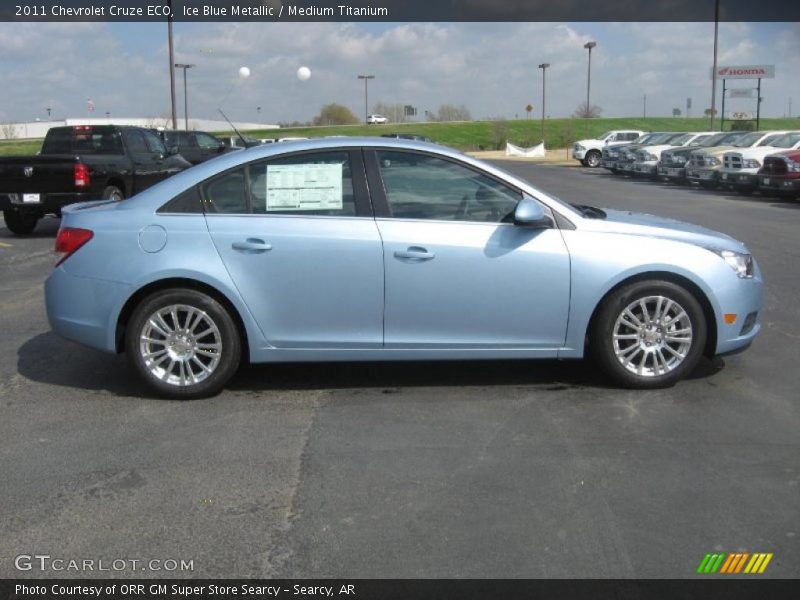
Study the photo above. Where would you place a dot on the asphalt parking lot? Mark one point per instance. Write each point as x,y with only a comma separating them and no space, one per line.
502,469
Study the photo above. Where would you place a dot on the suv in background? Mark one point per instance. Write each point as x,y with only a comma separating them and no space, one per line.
627,154
612,150
780,174
589,152
647,158
672,165
194,146
376,120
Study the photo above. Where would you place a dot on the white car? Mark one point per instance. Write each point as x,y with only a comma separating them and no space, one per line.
589,152
740,168
376,119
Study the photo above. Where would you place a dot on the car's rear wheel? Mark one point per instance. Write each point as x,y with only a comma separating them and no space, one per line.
593,159
20,223
183,343
648,334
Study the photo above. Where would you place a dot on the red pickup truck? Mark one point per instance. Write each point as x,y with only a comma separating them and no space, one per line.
780,175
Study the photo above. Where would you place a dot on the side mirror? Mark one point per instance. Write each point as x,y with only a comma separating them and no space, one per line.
222,147
172,150
529,213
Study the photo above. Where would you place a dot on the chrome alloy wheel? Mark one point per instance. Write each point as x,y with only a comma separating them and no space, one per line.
180,345
652,336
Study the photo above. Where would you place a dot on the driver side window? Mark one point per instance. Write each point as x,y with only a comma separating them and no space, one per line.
419,186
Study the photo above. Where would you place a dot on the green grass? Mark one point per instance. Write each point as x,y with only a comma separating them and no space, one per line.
19,147
490,135
477,135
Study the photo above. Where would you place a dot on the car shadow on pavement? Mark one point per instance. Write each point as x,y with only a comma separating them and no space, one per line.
47,227
48,359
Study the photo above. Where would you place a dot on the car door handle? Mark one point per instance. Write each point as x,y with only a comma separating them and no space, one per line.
416,253
252,246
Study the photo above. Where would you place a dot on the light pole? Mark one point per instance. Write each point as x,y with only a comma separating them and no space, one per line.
185,66
588,46
171,67
714,68
366,79
543,67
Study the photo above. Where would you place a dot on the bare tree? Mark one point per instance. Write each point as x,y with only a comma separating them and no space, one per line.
587,112
9,131
450,112
396,113
335,114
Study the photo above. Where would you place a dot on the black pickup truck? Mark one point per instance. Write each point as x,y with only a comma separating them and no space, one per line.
82,163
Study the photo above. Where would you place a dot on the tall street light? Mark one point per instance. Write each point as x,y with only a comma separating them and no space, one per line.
588,46
366,79
714,68
171,67
185,66
543,67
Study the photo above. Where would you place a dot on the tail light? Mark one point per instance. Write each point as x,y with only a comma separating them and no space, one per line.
82,177
69,240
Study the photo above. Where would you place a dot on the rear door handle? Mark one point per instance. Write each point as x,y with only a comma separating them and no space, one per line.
252,246
415,253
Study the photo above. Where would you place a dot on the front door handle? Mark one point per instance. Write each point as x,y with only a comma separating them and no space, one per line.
252,246
415,253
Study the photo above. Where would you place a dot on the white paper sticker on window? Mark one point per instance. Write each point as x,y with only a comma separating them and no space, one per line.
304,187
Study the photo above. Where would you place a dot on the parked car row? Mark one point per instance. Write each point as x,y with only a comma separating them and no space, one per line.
745,161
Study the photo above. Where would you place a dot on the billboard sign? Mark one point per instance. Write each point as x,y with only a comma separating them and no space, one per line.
742,116
745,72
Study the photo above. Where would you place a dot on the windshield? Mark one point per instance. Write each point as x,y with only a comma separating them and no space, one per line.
661,138
699,140
787,140
681,139
605,135
748,140
644,138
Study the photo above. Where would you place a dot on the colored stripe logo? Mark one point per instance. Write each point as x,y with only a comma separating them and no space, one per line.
732,563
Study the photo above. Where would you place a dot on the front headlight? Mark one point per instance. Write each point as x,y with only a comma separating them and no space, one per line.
792,166
649,156
680,159
712,161
741,263
578,147
751,163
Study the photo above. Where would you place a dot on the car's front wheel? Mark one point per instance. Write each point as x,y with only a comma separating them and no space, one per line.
183,343
593,159
648,334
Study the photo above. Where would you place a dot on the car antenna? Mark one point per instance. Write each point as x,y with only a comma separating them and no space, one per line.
241,137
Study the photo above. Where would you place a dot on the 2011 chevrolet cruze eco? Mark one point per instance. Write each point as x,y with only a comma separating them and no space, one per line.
376,249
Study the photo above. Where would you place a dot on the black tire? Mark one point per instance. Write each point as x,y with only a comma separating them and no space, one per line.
602,329
20,223
593,158
112,192
227,357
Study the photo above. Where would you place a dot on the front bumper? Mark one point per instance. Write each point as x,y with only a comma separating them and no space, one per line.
626,166
700,174
83,309
645,168
743,298
578,154
609,163
738,177
672,172
779,184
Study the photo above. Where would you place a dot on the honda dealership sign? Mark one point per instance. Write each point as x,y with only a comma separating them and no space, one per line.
746,72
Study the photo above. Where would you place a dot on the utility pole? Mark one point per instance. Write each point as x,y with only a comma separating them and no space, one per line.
714,68
171,67
366,79
185,94
589,46
644,107
543,67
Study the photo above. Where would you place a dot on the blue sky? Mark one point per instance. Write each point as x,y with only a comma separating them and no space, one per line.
489,67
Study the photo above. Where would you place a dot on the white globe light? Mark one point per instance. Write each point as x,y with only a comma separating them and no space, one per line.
244,72
303,73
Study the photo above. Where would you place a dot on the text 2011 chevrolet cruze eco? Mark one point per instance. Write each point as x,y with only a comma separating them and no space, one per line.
376,249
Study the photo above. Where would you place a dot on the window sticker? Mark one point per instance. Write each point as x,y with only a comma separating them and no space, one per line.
304,187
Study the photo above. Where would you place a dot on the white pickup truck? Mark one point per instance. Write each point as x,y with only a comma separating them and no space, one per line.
740,168
589,152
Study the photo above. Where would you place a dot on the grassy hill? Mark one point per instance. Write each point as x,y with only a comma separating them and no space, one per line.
478,135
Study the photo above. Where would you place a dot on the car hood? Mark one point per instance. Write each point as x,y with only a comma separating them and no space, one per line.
757,152
626,222
716,150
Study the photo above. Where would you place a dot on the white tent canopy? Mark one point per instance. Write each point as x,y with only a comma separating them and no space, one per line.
536,151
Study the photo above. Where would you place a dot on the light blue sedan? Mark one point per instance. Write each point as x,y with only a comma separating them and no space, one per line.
376,249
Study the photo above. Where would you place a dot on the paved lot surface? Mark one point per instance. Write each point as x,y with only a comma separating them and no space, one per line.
503,469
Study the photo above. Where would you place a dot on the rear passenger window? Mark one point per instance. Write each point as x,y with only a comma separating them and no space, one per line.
305,184
226,194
